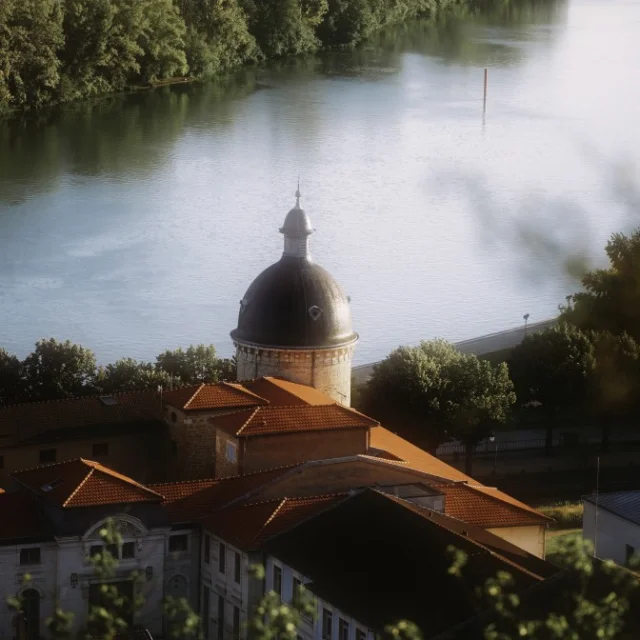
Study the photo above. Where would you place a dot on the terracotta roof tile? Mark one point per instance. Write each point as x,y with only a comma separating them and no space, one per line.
23,421
416,458
248,526
272,420
281,392
83,483
212,396
193,500
475,505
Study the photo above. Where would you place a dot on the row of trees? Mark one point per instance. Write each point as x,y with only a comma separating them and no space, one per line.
55,370
588,366
56,51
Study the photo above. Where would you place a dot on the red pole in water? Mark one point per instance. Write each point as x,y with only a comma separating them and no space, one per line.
486,72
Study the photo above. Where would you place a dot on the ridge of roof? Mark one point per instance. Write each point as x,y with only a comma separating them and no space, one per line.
72,495
193,395
247,421
237,386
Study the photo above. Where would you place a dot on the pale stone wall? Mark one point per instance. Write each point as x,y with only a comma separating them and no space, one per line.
529,538
69,555
234,593
311,629
614,534
328,370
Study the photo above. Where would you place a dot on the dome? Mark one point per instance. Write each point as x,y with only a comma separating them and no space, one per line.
295,303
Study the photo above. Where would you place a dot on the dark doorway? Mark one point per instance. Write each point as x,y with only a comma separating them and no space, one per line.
110,600
28,620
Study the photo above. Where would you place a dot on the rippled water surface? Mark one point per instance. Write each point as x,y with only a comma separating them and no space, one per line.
136,225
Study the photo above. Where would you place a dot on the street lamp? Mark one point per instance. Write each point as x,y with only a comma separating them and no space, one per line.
526,321
492,438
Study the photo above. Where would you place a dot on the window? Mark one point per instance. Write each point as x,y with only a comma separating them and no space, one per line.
220,618
222,559
236,567
178,543
128,550
47,456
100,449
361,635
327,624
174,417
629,552
343,629
277,579
95,550
236,623
232,452
207,549
205,612
30,556
296,586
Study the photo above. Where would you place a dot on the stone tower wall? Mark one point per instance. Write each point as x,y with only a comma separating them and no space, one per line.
328,370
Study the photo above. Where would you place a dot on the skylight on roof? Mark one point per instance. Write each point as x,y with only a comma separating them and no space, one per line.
51,485
109,401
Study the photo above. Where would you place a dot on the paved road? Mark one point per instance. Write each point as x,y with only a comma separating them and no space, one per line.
480,346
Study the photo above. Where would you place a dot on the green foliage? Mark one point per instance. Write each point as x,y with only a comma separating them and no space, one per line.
10,378
552,369
434,392
30,37
58,370
128,374
54,51
191,366
285,27
567,515
218,36
611,297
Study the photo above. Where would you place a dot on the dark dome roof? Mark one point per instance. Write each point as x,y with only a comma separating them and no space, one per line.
295,303
297,223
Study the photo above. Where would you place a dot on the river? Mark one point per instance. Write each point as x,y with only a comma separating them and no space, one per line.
136,224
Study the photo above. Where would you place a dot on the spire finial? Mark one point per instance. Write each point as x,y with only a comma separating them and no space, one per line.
298,194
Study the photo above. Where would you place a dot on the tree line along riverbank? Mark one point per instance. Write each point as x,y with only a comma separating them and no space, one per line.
60,51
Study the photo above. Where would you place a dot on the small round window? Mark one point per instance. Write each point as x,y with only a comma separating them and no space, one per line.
315,312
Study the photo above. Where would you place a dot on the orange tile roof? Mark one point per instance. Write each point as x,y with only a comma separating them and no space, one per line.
282,392
416,458
83,483
273,420
192,500
248,526
222,395
23,421
474,505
